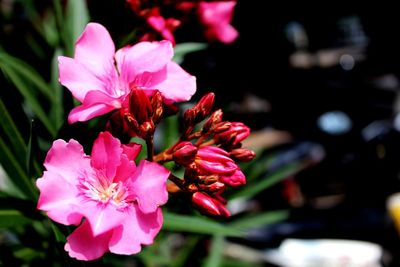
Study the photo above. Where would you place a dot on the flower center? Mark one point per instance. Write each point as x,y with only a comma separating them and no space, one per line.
101,189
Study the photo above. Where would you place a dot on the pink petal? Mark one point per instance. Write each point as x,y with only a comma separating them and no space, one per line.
58,198
178,85
225,33
216,13
79,79
125,170
132,150
106,154
143,57
96,103
95,50
82,245
150,186
139,228
68,160
102,217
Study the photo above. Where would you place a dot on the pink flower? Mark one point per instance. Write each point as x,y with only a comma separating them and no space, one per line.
93,79
118,200
216,17
165,27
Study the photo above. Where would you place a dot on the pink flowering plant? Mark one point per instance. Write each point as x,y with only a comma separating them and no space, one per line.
121,154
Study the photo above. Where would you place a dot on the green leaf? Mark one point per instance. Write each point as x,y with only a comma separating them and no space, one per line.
268,180
11,218
60,237
76,18
22,69
184,223
17,143
183,254
250,222
215,256
25,89
57,109
182,49
16,173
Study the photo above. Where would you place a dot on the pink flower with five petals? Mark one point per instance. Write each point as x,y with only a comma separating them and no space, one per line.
101,78
118,200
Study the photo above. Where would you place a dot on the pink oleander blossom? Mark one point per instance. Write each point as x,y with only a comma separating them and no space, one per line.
163,26
216,18
101,78
114,202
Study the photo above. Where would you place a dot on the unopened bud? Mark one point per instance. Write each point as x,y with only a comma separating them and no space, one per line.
157,105
208,179
208,205
189,118
214,160
235,179
199,111
146,129
205,105
242,154
237,129
221,127
131,122
184,153
214,187
192,188
139,106
216,117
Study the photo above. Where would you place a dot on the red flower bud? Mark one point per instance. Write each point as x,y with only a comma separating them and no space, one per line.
237,129
214,160
199,111
157,105
235,179
208,205
216,117
242,154
184,153
205,105
139,106
208,179
214,187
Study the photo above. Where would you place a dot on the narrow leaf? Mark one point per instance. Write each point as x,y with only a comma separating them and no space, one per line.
250,222
60,237
215,255
16,172
11,218
77,16
24,70
30,98
175,222
182,49
17,143
268,180
183,254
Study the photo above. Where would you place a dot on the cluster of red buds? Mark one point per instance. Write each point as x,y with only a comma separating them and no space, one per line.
208,148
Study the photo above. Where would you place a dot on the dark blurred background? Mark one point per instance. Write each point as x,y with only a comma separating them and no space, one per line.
327,74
